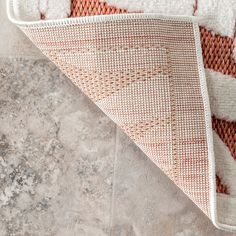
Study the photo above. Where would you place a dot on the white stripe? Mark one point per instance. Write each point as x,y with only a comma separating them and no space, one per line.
225,165
222,93
173,7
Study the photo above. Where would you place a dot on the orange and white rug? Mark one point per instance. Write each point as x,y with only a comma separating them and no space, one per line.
163,71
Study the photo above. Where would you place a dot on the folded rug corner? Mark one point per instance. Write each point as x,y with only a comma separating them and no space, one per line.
164,72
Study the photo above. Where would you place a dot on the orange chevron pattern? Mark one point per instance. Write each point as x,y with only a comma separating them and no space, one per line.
93,7
227,132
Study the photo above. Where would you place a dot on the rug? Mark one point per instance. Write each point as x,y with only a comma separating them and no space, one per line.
164,72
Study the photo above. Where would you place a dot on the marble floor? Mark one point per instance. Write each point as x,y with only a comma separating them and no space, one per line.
66,169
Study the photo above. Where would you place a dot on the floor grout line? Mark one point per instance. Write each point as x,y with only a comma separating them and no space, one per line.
113,182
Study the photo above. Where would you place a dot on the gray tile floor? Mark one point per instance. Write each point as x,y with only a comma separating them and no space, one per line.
66,169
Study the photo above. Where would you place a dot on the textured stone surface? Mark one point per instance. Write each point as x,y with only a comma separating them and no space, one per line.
56,154
65,170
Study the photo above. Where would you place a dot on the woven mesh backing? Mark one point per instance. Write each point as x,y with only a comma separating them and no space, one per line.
137,131
93,7
217,55
216,50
